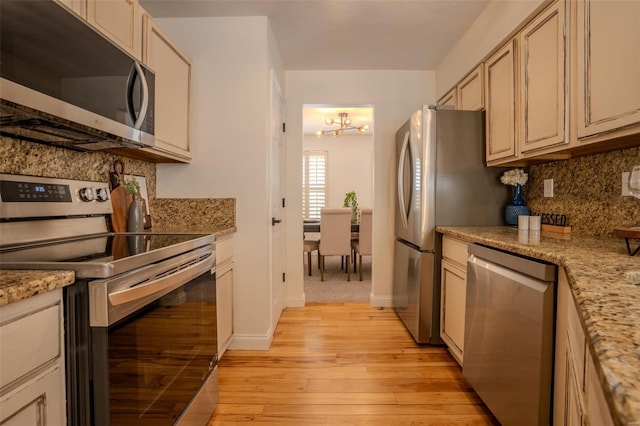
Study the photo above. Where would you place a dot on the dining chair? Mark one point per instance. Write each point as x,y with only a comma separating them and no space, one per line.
363,245
335,236
309,247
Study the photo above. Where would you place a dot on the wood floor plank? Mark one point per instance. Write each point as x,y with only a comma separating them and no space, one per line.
342,372
345,364
387,384
307,398
379,409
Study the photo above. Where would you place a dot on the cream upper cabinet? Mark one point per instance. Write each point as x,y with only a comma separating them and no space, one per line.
470,91
172,69
607,65
119,20
542,81
500,96
453,295
449,99
77,6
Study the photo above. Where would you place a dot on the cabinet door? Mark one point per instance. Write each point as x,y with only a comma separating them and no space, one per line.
542,81
448,99
500,91
453,299
77,6
471,91
574,411
173,87
39,402
608,65
119,20
224,307
597,409
568,402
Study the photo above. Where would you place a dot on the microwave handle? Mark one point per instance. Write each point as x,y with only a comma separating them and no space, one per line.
137,70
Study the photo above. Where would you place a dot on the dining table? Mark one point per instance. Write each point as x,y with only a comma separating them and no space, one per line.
314,226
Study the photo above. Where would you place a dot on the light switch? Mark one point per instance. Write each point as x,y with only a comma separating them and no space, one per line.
548,187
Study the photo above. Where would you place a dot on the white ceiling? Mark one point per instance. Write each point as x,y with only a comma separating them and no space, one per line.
347,34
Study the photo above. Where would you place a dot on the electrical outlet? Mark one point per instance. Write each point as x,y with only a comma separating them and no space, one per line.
548,188
625,184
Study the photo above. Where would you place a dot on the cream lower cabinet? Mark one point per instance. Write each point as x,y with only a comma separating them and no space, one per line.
607,66
172,68
578,395
224,292
542,81
500,97
32,379
453,295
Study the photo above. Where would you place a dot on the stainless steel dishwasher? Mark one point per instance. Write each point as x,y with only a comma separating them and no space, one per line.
509,334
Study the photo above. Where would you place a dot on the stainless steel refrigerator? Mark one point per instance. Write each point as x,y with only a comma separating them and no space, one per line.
441,180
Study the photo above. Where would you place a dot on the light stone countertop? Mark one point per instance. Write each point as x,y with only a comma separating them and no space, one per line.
16,285
600,274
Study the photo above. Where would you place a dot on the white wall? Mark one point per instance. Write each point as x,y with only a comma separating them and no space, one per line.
232,58
230,139
394,95
350,166
498,20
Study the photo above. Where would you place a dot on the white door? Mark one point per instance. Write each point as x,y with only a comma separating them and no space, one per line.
277,237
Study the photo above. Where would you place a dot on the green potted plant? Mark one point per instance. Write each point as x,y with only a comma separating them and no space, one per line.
131,187
135,219
351,200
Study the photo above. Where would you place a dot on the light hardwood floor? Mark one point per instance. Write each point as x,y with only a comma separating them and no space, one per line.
345,364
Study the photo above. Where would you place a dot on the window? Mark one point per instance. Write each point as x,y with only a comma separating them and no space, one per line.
314,183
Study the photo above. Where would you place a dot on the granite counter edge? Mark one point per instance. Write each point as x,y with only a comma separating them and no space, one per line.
17,285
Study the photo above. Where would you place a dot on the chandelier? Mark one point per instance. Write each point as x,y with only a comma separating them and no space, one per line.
345,124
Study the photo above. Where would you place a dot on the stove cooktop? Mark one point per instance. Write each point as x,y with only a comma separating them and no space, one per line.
101,255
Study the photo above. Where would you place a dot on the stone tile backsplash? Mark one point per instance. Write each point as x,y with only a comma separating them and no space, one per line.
587,190
28,158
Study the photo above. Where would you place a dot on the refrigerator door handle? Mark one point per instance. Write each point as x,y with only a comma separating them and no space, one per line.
404,208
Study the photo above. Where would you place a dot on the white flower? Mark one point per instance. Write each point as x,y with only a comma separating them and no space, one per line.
514,177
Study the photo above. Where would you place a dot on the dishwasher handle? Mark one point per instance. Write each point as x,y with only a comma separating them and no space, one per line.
538,269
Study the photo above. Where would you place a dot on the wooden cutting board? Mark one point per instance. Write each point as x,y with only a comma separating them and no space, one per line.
627,231
120,202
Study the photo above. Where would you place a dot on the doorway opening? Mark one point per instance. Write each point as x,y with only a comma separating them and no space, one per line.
338,159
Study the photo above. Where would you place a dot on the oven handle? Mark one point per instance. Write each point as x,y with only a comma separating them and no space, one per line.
163,285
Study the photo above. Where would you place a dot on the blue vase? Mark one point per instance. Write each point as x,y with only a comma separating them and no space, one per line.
516,207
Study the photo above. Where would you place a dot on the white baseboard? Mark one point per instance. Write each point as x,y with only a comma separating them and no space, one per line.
381,301
251,342
297,301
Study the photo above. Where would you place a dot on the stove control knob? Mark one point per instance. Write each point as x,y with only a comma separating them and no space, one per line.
102,194
86,194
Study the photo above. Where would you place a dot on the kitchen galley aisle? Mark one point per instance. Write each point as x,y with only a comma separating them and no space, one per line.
345,363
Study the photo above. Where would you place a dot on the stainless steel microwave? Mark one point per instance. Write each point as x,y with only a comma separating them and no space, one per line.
62,83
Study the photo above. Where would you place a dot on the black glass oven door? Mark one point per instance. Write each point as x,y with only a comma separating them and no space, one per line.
148,366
